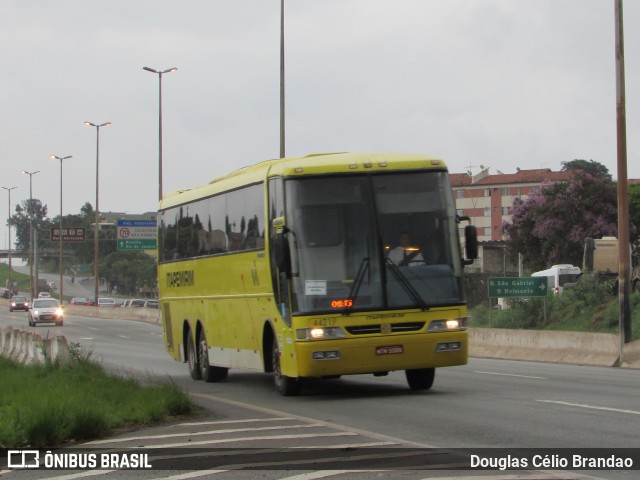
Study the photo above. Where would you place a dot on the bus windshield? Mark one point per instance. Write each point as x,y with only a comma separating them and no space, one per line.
373,242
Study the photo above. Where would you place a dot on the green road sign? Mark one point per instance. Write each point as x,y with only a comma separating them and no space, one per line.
144,244
508,287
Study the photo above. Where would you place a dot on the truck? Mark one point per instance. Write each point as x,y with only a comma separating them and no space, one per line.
560,276
601,258
42,286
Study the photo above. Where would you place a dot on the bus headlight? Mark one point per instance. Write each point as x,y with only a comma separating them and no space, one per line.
320,333
450,324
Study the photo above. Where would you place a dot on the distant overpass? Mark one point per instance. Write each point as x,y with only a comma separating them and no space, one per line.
43,253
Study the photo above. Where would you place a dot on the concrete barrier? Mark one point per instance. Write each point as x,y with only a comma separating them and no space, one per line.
28,348
576,348
56,348
144,314
631,355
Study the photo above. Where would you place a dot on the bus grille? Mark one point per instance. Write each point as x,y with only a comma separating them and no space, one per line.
395,328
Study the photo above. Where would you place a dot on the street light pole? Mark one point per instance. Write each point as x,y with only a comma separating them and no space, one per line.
31,174
8,189
282,111
96,256
160,73
60,233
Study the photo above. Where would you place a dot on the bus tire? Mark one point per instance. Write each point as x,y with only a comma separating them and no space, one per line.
192,358
286,386
420,378
208,372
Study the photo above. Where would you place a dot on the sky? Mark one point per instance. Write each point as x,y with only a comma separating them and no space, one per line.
502,83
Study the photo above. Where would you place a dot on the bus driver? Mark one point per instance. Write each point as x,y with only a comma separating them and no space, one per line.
405,254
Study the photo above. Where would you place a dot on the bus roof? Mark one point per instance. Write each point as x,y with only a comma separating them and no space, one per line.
315,164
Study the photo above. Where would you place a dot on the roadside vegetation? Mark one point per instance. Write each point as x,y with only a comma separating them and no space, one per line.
589,307
23,280
55,404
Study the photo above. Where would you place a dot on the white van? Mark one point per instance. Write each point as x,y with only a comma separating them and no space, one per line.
559,275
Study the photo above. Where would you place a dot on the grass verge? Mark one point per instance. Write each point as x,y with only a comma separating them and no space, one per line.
54,404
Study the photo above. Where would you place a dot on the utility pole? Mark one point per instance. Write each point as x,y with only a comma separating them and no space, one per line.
624,254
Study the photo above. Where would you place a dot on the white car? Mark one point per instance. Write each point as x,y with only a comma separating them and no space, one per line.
46,310
106,302
133,302
44,295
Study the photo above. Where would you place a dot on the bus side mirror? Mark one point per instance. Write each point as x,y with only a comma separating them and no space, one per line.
470,241
471,244
281,246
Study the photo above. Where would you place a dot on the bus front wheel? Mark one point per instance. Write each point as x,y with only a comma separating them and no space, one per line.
420,378
286,386
208,372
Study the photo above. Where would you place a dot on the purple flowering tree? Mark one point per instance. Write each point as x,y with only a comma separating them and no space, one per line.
550,226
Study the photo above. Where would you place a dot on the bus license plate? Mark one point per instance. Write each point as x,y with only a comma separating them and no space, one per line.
389,350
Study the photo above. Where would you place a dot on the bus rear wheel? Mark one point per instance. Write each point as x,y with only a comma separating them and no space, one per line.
420,378
286,386
192,358
208,372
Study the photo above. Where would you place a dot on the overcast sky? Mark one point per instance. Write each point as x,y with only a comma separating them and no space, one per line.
502,83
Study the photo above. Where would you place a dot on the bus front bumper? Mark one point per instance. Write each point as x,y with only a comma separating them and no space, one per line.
381,354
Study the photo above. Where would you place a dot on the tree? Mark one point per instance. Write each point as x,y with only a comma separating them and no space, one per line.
551,225
129,271
590,167
20,221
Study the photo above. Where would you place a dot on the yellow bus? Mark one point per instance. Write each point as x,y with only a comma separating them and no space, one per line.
291,266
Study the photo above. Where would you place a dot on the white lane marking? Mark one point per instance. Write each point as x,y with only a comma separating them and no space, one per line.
252,439
200,473
593,407
325,474
199,434
327,424
350,445
124,336
87,338
347,458
91,473
221,422
510,375
539,475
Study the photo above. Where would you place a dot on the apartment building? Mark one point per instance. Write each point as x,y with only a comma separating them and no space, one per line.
487,199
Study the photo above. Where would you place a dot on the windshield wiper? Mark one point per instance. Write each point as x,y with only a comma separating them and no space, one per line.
353,293
406,285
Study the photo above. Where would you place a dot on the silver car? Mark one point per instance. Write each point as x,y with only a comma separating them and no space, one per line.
46,310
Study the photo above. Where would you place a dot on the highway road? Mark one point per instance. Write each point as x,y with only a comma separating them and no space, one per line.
485,404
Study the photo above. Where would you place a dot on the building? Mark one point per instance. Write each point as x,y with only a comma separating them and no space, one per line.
487,199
